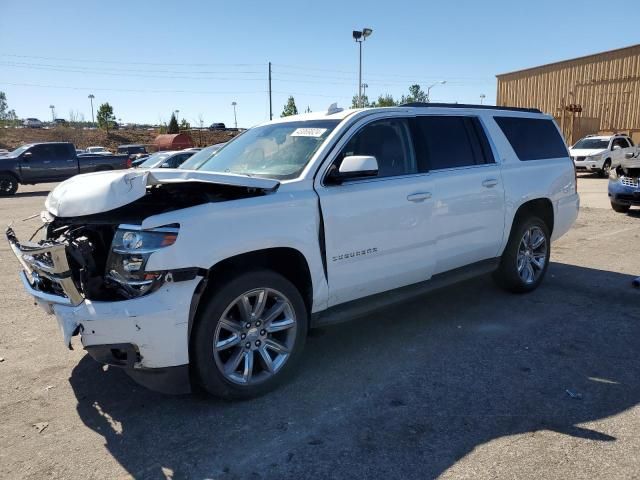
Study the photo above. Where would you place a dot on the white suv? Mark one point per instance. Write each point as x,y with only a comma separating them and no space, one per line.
599,153
217,274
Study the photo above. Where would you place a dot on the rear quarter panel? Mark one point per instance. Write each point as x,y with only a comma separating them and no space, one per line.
553,179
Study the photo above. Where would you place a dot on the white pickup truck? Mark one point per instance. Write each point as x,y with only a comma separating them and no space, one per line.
217,274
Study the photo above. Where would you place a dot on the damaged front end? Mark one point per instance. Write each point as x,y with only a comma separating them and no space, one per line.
95,248
90,267
624,184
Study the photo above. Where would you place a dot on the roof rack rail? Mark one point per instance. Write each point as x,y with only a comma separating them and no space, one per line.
467,105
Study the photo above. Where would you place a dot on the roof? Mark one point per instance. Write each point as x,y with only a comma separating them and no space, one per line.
591,55
342,114
465,105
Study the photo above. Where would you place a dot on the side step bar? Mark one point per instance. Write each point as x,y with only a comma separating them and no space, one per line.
368,305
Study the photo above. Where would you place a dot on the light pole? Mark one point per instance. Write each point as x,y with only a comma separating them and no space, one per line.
91,97
177,112
441,82
53,112
360,36
364,90
235,118
482,97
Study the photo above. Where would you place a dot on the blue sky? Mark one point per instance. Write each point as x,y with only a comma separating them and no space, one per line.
150,58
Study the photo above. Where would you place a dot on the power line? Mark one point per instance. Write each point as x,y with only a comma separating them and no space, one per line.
132,90
112,74
194,92
91,60
115,69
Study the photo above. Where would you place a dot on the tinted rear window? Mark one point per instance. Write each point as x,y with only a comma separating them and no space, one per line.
451,142
533,138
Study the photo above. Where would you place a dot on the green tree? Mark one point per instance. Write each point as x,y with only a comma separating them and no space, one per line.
173,125
290,108
365,102
184,125
4,112
105,116
385,100
416,94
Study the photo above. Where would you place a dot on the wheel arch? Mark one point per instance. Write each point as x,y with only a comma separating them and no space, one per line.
288,262
13,174
541,207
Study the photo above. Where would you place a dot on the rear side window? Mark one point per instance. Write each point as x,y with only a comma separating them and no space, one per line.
62,152
533,138
450,142
620,142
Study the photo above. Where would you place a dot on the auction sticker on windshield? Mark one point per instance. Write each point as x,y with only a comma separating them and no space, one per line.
308,132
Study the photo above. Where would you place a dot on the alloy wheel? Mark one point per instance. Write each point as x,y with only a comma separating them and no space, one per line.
532,255
254,336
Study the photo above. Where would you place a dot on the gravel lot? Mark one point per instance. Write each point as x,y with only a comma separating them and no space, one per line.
468,382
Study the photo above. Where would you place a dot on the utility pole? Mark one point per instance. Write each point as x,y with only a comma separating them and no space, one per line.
441,82
53,112
482,97
270,100
360,36
91,97
235,118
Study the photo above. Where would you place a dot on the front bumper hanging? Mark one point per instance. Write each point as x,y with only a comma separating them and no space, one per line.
46,261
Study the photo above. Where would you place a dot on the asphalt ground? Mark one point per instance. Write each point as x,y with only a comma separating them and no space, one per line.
467,382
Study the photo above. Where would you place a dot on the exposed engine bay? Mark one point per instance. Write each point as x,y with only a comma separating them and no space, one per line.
102,255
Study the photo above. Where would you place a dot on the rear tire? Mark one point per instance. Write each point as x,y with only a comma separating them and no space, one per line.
525,259
249,335
620,208
8,185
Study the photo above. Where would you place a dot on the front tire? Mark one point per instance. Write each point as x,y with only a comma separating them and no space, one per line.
249,336
620,208
525,259
606,168
8,185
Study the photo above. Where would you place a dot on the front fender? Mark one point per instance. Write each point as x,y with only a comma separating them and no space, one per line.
213,232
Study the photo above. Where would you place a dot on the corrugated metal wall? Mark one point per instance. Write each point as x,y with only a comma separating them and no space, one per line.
606,85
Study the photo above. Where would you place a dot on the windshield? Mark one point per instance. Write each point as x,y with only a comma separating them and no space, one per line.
154,160
200,157
592,143
277,150
19,150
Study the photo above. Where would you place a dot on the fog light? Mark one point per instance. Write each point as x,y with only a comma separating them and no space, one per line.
133,264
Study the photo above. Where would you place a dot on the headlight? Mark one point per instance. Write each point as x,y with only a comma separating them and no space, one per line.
595,158
130,251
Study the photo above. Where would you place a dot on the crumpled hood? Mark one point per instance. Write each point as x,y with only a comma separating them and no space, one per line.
98,192
586,152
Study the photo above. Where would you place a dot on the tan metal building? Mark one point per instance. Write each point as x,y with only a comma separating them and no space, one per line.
598,93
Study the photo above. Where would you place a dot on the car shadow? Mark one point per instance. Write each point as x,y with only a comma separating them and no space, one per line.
42,193
405,393
582,175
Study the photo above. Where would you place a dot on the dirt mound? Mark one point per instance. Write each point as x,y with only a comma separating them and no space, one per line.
11,138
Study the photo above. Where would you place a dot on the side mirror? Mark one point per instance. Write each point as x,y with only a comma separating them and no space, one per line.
357,166
27,155
629,155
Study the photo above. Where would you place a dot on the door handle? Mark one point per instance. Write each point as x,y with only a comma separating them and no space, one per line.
419,197
490,182
46,161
